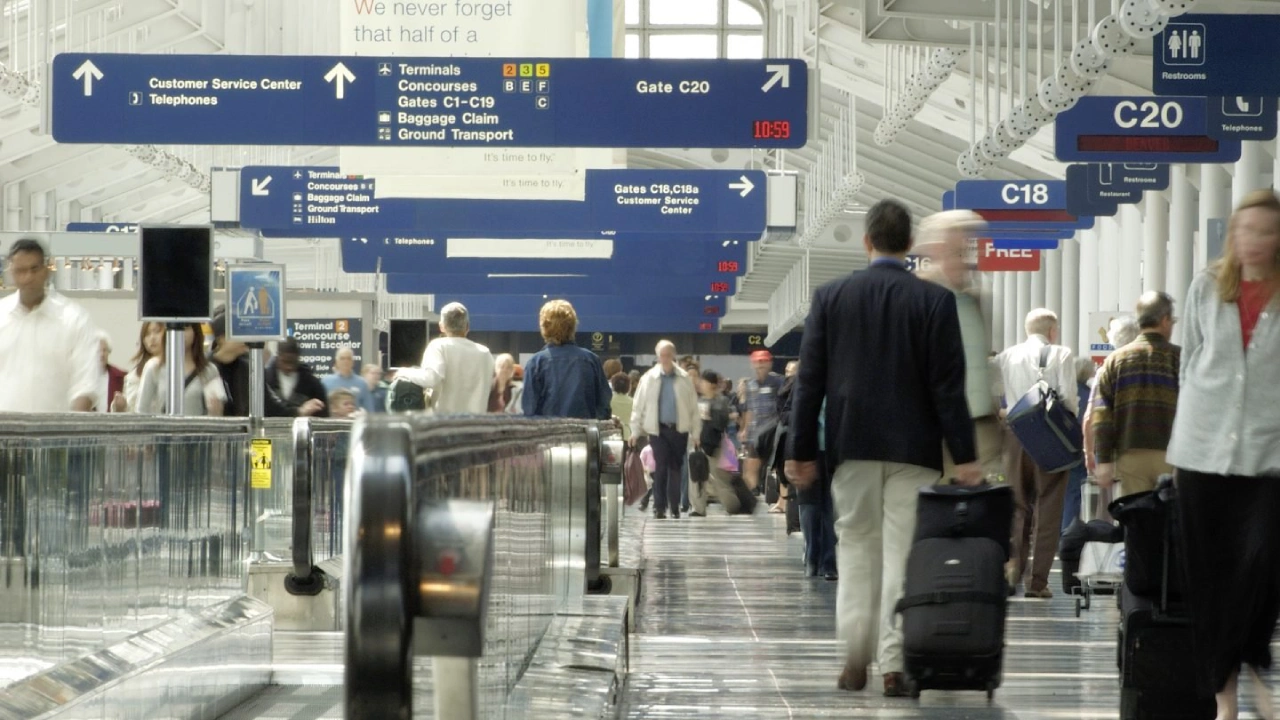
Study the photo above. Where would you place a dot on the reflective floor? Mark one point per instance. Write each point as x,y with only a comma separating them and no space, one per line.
729,627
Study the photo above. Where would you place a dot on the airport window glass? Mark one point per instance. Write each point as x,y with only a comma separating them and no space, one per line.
744,47
684,12
683,46
741,13
694,29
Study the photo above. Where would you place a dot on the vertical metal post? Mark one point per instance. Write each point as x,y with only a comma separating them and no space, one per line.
455,688
611,499
257,408
175,358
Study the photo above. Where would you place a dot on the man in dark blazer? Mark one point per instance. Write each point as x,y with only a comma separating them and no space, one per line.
293,381
883,347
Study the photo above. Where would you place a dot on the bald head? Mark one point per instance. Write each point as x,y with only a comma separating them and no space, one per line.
666,352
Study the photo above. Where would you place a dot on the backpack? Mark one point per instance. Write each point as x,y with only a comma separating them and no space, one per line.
404,396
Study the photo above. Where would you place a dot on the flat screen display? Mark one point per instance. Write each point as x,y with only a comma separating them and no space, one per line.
407,342
175,271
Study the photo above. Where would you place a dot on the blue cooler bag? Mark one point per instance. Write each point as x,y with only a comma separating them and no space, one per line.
1048,431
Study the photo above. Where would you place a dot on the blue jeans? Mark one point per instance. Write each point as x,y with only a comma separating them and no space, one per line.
818,523
1071,503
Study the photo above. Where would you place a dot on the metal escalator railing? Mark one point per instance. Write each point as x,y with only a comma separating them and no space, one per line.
320,450
413,589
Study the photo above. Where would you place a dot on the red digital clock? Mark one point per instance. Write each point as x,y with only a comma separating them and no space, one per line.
1163,144
719,287
727,266
706,326
710,310
772,129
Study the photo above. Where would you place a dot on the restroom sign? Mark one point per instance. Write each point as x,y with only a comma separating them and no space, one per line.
993,259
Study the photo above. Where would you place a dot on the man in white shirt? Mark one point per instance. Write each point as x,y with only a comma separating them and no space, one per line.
49,349
1038,495
457,370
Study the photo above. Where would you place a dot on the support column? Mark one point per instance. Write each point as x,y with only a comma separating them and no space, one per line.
1051,269
1024,303
1011,323
994,292
1070,318
1247,174
1183,207
1155,251
1131,246
1089,282
1108,265
1215,203
1039,282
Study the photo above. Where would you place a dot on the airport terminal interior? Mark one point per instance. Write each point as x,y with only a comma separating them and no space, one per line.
395,317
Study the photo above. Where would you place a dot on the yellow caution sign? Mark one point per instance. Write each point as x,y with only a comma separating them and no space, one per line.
260,464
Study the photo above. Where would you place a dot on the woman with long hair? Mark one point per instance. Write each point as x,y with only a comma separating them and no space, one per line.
150,344
1226,451
204,393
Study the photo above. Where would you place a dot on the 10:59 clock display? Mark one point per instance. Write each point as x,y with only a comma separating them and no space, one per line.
771,129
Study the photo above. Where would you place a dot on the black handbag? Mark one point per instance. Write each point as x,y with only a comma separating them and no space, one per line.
1152,562
955,511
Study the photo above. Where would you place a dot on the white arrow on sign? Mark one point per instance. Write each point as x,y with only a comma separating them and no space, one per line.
87,72
340,76
746,186
781,74
259,187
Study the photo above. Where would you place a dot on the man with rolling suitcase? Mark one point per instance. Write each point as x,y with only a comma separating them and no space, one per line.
884,349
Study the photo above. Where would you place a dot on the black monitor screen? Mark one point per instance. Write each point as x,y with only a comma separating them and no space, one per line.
407,343
176,274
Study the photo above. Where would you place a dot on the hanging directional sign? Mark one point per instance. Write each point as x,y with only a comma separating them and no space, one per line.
1085,193
593,320
1019,205
323,202
1140,129
660,257
1243,117
428,102
1130,176
1028,242
710,306
613,282
1204,54
1019,230
94,227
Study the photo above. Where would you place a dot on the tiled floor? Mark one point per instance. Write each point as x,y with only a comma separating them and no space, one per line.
729,627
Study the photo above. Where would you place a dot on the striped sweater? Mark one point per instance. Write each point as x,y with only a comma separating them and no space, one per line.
1137,393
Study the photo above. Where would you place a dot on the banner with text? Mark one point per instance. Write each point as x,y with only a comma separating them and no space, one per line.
319,340
468,28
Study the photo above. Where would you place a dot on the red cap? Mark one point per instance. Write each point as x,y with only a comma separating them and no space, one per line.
762,356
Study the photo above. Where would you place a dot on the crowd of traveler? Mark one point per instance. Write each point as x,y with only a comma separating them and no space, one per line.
895,389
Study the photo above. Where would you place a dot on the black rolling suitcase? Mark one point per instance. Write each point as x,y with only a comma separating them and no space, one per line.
955,595
1156,653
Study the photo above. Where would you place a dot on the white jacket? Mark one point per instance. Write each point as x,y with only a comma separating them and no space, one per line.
644,415
461,373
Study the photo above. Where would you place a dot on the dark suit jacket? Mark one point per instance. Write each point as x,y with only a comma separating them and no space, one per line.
309,387
883,347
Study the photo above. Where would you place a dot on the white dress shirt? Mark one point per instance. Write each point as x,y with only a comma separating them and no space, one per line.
1020,368
49,356
459,371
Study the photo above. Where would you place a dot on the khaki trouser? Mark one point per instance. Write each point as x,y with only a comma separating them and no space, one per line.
990,439
875,509
1138,470
1037,513
719,485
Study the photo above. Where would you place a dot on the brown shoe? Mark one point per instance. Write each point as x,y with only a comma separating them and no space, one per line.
895,685
1043,593
854,677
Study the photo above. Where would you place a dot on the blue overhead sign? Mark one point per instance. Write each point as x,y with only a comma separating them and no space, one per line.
1086,195
1213,55
95,227
613,282
1243,117
1018,207
708,306
428,102
1140,176
323,202
1142,130
659,258
596,320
